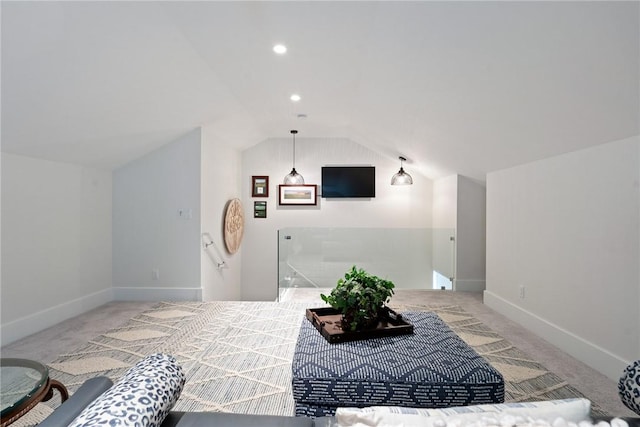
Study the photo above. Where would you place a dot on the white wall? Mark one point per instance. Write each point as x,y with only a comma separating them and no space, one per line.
459,209
445,213
470,235
220,182
56,243
567,229
445,202
148,232
1,322
393,206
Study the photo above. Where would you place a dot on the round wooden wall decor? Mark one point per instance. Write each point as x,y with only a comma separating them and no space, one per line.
233,226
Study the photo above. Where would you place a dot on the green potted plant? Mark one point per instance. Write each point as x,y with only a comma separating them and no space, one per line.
359,297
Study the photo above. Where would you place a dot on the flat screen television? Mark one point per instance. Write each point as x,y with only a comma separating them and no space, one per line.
348,181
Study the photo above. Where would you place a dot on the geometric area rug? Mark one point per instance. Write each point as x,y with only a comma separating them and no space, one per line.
237,355
525,379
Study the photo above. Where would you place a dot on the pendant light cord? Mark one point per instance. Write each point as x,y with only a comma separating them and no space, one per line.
294,132
294,178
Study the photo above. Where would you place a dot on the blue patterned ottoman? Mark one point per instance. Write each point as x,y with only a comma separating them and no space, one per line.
432,368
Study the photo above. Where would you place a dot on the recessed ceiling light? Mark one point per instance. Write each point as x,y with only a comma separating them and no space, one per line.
280,49
295,97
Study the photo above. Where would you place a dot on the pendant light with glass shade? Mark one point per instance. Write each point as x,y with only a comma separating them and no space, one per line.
294,178
401,178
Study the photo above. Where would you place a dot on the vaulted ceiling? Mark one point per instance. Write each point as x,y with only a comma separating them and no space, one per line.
456,87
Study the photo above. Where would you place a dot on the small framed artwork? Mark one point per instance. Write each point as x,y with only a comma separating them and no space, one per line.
259,186
259,209
298,194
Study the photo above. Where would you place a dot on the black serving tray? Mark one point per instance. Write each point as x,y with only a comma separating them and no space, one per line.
328,321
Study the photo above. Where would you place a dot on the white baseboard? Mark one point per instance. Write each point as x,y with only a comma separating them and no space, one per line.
36,322
470,285
157,294
594,356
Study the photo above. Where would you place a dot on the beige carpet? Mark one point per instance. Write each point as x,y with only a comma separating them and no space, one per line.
237,355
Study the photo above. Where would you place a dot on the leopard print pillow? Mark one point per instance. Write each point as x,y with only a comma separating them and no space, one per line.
629,387
142,398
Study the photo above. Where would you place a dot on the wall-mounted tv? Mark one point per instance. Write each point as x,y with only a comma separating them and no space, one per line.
348,181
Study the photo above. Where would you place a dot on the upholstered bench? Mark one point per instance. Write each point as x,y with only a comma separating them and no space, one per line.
431,368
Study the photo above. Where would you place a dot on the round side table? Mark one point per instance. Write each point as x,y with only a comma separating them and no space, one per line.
23,384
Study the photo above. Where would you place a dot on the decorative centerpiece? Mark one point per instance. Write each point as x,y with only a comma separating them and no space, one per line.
360,297
358,309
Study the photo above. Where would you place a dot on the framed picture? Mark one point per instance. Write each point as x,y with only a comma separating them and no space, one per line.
298,194
259,209
259,186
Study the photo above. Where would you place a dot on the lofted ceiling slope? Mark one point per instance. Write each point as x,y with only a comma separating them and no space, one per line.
456,87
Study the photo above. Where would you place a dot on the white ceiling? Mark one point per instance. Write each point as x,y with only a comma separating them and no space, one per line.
456,87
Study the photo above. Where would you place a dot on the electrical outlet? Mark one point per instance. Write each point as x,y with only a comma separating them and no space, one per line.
155,274
185,214
521,292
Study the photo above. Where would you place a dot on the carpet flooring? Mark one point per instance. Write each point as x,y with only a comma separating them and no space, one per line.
237,355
